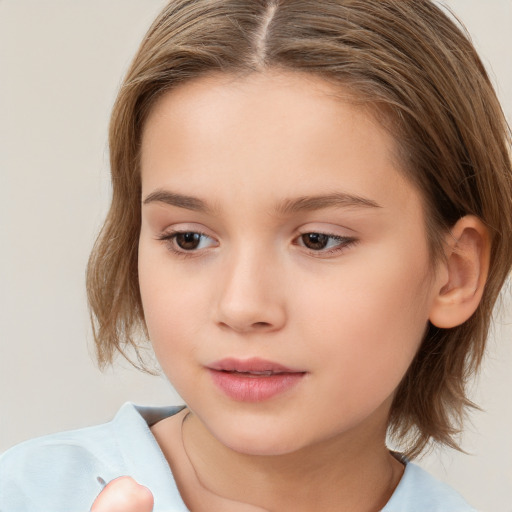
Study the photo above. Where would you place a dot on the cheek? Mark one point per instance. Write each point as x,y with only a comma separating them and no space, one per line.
173,328
170,304
368,324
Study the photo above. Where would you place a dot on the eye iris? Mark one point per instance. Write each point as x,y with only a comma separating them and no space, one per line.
315,241
188,241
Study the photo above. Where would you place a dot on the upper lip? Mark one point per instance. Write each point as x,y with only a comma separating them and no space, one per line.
252,365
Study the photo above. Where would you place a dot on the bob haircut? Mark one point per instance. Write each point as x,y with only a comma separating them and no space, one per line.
417,72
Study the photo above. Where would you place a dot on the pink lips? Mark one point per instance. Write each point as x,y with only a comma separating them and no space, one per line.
253,380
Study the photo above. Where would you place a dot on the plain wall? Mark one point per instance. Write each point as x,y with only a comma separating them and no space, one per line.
61,63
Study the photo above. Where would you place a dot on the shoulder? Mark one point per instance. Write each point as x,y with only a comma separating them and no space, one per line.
38,471
60,471
421,492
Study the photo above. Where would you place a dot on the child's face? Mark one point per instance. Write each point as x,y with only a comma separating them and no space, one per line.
301,245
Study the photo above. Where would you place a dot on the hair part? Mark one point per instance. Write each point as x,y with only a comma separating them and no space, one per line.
418,73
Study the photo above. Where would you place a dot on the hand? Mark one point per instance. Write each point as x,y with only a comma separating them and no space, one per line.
123,494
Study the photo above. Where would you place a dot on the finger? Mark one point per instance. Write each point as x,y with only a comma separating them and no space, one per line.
124,494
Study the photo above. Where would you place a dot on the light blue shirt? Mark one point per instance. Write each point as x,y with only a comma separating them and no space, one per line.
58,473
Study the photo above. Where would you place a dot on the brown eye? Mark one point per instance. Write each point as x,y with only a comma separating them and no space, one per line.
315,241
325,244
188,241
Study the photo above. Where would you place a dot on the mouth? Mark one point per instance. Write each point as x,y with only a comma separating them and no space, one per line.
253,374
253,366
253,380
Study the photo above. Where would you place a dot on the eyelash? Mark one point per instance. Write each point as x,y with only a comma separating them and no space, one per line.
343,243
169,239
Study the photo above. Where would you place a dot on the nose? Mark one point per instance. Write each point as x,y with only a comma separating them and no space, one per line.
251,295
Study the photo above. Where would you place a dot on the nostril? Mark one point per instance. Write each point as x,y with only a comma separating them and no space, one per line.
261,324
255,326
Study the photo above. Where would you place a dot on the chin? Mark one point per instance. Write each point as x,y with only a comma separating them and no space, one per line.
260,447
258,440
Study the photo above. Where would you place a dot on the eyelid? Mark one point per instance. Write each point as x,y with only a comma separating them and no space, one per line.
168,237
328,228
345,242
334,230
184,227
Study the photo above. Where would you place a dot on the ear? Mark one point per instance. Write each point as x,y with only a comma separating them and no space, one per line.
462,275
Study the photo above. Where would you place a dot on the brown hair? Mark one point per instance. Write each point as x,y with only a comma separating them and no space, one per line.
410,62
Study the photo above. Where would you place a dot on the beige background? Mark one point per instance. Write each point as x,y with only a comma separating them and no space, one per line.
60,65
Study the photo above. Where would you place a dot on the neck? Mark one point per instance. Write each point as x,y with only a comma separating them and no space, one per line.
352,472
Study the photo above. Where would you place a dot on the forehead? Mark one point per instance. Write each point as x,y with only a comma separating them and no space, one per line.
268,135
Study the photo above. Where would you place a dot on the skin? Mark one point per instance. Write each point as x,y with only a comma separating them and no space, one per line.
351,315
124,494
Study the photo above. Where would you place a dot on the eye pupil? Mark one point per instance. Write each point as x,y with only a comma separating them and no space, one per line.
315,241
188,241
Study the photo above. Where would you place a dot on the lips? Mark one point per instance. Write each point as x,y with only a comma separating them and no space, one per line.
253,365
253,380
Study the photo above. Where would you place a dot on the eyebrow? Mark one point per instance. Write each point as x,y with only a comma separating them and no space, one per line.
319,202
286,207
179,200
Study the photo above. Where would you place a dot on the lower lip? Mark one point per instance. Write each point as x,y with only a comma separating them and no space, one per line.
254,388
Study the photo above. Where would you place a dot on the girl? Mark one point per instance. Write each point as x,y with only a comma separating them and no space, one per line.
311,222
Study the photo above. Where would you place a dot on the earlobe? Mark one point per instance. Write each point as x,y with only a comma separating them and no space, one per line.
460,283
